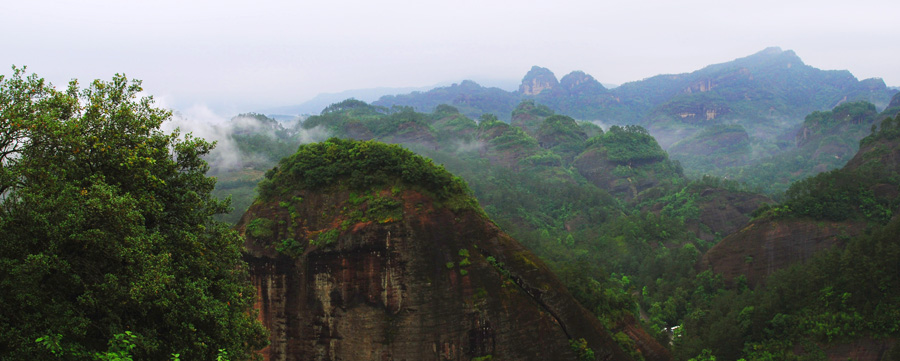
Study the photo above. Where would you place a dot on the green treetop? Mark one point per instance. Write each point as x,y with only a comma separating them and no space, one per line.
107,229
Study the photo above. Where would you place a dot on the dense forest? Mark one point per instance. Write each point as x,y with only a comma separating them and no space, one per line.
622,225
118,239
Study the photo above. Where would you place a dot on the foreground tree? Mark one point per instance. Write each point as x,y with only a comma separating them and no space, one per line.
106,227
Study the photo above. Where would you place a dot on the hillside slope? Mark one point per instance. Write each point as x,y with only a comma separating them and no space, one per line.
364,251
819,213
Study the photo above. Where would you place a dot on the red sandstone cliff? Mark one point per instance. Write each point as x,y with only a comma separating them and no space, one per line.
764,246
403,289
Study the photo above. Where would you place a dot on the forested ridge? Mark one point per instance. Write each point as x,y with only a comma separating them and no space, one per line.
621,223
627,243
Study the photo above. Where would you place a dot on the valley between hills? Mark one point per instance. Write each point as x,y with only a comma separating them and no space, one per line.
744,211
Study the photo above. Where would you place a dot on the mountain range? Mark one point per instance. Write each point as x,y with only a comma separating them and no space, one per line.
350,241
768,93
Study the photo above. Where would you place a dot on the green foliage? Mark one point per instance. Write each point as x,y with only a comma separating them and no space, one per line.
581,349
548,159
706,355
563,135
840,195
352,105
444,110
374,208
108,229
261,228
627,345
350,113
839,295
290,247
325,238
889,130
558,129
120,348
470,98
844,194
629,144
860,112
530,107
502,136
574,226
590,129
499,266
359,166
713,148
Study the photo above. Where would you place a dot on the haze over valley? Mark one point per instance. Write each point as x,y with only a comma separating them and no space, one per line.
450,181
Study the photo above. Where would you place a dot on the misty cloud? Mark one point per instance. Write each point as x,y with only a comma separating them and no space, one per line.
200,121
469,146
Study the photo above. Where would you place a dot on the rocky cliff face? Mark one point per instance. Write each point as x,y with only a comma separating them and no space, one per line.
765,246
393,273
537,80
596,167
714,146
429,287
892,109
883,153
725,212
848,120
623,178
721,211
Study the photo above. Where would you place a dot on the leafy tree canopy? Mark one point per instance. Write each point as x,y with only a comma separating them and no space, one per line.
628,144
108,229
359,165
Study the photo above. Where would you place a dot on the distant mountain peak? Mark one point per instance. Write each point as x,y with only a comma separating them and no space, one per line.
537,80
580,80
469,83
772,50
769,58
775,52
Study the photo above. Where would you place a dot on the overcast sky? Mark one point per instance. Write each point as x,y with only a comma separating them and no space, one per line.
237,56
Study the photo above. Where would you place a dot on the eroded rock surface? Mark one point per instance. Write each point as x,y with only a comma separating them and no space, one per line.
762,247
434,285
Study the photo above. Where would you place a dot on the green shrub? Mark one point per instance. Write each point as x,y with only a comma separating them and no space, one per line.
261,227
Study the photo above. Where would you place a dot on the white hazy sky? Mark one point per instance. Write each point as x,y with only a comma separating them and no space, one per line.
239,56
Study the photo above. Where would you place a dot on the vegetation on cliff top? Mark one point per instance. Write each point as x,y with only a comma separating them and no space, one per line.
359,165
630,144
